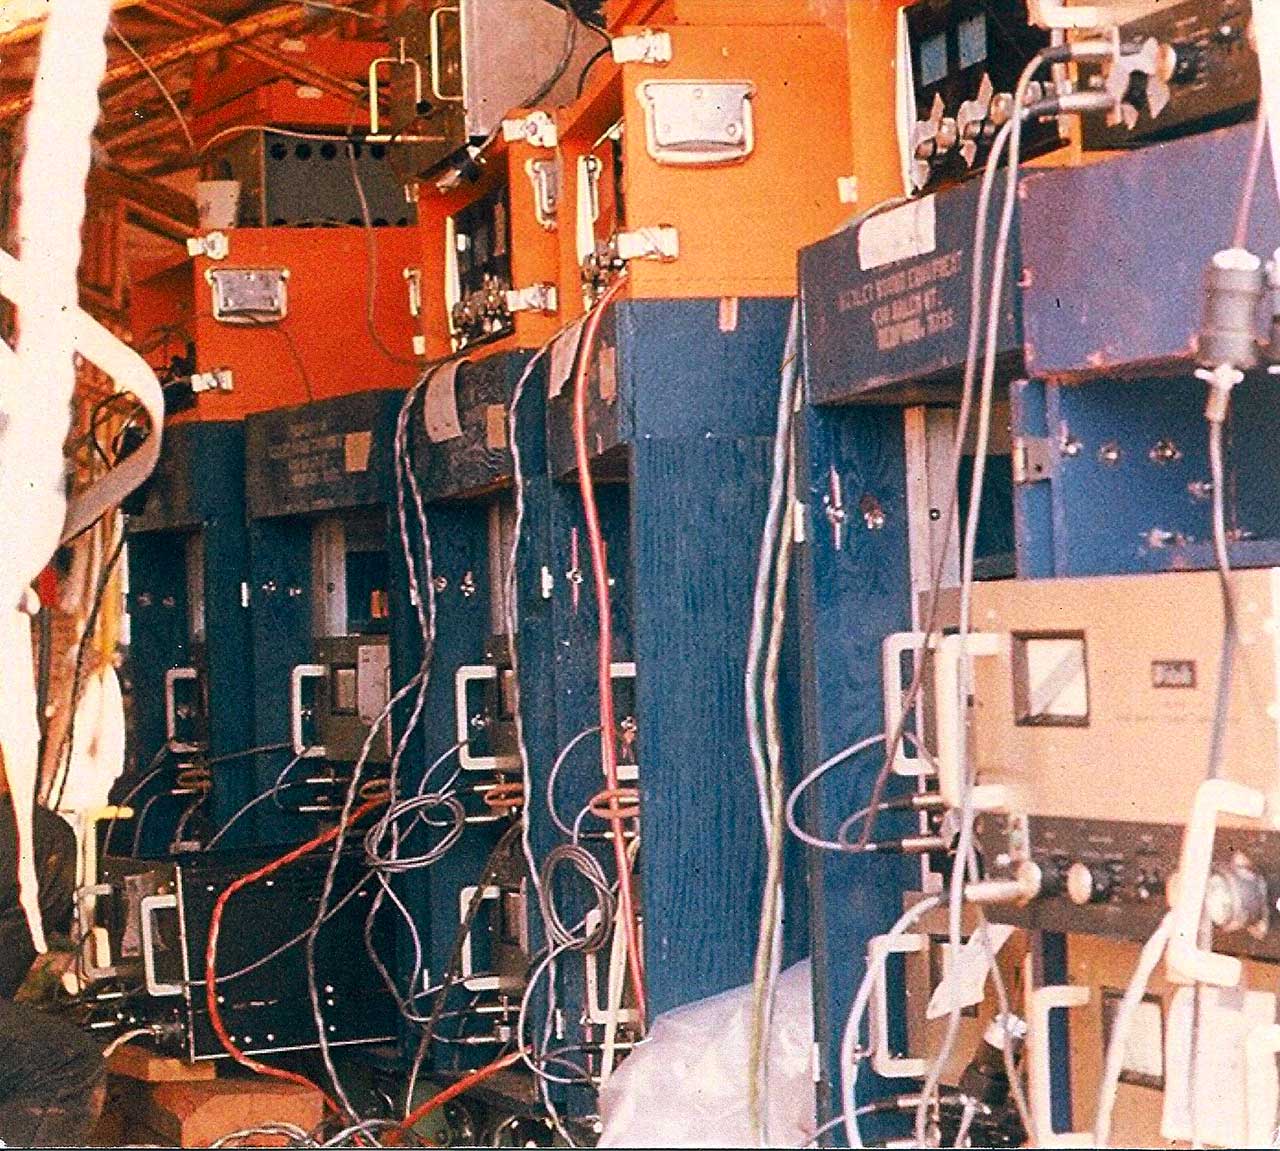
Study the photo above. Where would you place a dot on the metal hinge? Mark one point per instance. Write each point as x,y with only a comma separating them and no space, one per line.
647,47
1032,459
800,524
537,128
215,245
649,244
219,380
534,298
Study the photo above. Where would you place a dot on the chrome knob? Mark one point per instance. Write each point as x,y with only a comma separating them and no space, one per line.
1084,886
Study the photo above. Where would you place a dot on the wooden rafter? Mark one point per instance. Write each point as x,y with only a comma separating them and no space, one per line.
187,17
225,36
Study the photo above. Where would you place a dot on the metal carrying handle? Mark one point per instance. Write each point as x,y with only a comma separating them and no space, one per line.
588,207
469,979
1040,1002
401,61
597,1013
147,907
171,679
950,721
132,375
300,674
891,663
463,678
436,71
891,1066
85,894
1186,961
625,669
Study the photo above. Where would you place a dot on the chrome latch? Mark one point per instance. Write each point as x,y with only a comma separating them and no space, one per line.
646,47
534,298
661,243
218,380
215,245
537,128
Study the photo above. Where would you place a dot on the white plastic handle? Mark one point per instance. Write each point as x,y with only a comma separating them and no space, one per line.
147,907
1040,1002
300,674
1186,961
891,1066
131,374
436,71
891,660
172,678
470,980
1262,1089
949,756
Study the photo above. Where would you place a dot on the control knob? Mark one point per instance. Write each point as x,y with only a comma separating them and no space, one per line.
1235,897
1085,885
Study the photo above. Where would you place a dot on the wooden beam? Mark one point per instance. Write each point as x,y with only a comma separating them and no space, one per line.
173,212
248,28
158,125
187,17
23,20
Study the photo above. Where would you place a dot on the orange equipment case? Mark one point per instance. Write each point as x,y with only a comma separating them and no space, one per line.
619,13
532,238
238,91
320,349
737,224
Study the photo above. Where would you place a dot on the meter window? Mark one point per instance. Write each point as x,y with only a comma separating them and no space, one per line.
1050,680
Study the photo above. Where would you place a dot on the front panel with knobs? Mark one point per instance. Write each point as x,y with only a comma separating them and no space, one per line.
1117,878
1190,66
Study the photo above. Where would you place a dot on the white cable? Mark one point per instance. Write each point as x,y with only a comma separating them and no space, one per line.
160,84
120,1040
510,592
617,970
1266,33
1152,950
1012,134
763,749
764,565
773,905
850,1056
617,973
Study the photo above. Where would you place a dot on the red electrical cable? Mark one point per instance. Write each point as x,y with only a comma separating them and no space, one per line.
600,574
451,1092
211,954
